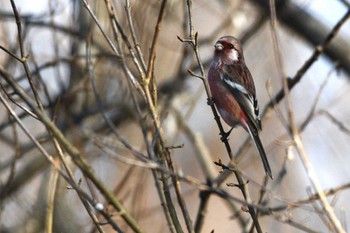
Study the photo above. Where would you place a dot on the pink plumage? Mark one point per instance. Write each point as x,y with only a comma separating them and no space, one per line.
233,91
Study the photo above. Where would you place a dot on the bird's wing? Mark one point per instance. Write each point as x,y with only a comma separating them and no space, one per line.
244,95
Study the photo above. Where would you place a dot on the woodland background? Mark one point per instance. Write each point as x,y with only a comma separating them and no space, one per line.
105,127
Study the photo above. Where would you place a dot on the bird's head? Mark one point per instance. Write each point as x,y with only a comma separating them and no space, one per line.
228,50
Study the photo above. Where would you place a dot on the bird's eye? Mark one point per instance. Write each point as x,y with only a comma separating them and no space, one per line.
230,46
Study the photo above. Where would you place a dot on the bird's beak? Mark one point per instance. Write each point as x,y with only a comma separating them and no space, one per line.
219,46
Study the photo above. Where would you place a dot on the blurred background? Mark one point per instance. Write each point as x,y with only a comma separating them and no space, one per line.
81,81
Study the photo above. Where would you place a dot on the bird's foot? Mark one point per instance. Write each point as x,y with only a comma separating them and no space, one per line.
210,101
224,135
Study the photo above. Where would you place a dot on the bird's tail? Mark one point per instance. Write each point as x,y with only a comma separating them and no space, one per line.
262,153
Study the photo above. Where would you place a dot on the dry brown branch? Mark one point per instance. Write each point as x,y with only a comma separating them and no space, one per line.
308,63
193,42
102,95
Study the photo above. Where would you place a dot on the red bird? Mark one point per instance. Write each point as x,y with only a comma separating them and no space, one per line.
233,91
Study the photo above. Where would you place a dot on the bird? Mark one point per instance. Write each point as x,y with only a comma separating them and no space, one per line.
233,92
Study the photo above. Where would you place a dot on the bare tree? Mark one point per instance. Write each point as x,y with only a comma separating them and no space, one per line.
107,123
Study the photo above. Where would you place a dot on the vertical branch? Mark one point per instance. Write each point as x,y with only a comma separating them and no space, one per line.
24,56
97,206
72,151
7,184
180,198
116,28
279,64
52,187
151,96
19,30
294,133
193,42
52,128
150,79
133,34
152,55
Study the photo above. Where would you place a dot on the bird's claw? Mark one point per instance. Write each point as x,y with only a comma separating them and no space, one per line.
224,135
210,101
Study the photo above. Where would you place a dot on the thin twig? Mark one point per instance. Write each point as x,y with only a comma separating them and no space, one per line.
151,101
50,159
151,98
294,133
311,198
11,54
10,178
133,34
118,28
308,63
51,194
71,150
312,111
338,123
24,56
295,224
101,108
193,42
